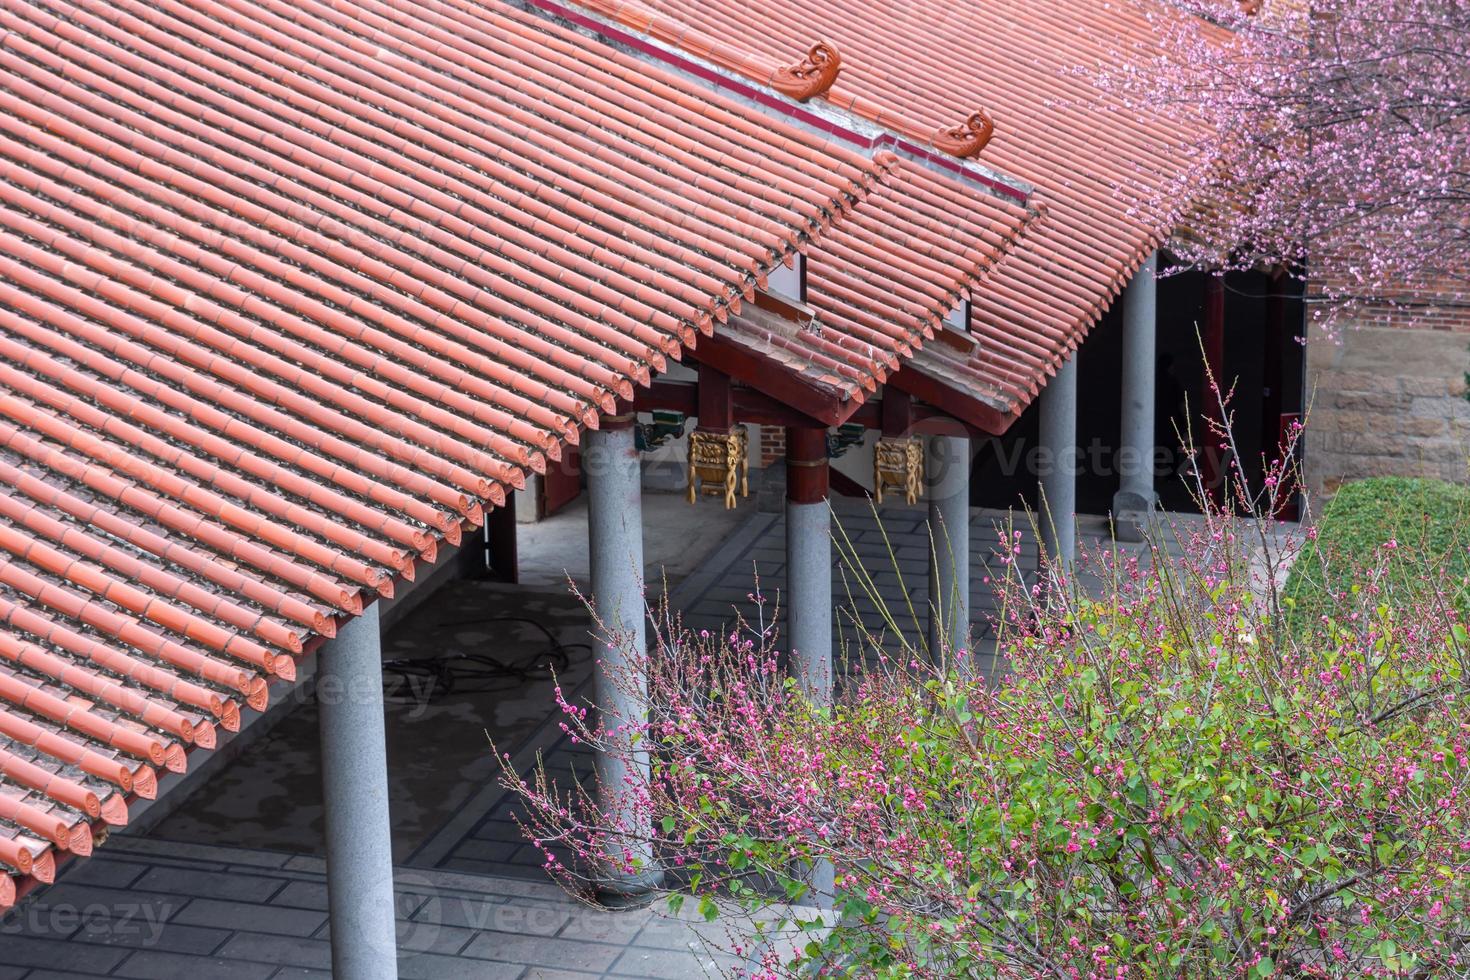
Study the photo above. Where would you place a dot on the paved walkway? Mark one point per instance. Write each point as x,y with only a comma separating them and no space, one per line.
161,910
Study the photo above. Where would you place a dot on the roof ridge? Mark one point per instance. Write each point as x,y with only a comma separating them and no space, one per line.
630,26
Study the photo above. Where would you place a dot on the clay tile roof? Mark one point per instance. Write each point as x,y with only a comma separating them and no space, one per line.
926,66
289,291
883,279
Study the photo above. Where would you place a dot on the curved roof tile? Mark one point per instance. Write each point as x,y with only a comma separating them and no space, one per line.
927,65
883,279
291,290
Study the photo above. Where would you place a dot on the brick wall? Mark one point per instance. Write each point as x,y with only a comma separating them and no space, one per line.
1436,306
773,445
1387,400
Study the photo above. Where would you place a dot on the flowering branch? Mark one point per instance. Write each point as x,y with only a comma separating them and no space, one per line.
1331,135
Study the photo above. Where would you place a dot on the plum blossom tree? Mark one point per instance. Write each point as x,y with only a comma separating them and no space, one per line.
1177,773
1335,137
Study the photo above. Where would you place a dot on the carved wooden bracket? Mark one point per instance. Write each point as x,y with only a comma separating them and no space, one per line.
898,463
718,463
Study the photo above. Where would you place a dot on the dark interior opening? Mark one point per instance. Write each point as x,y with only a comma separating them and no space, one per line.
1263,362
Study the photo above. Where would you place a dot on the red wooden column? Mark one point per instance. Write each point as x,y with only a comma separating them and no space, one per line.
489,551
500,529
1275,422
1271,374
716,406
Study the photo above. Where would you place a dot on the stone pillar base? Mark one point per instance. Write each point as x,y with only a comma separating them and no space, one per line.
629,891
1132,515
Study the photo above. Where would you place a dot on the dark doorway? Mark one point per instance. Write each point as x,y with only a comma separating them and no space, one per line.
1259,355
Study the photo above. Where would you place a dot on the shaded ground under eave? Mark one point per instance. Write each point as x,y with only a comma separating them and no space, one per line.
444,712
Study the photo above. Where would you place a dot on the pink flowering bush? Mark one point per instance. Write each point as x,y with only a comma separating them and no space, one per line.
1162,775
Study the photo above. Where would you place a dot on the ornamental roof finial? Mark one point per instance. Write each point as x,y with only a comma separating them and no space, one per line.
968,138
812,77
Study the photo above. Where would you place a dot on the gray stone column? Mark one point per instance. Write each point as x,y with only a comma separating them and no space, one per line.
615,552
808,600
947,473
808,603
1058,515
1135,497
349,693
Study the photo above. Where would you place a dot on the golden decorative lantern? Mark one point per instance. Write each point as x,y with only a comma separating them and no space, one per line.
718,461
898,463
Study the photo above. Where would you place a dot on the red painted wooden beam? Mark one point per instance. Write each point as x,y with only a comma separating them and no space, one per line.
806,465
817,401
1271,366
750,405
969,416
746,404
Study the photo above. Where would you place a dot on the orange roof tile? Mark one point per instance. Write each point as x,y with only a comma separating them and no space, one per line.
289,291
924,67
883,279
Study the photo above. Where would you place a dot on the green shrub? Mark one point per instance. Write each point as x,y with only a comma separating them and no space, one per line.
1427,523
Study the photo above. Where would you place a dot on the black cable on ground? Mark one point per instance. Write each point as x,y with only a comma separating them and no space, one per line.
419,680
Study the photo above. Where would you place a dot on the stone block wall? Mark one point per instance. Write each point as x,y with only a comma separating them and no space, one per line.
1386,401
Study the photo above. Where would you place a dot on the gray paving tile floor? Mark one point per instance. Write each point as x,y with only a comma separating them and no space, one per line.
161,910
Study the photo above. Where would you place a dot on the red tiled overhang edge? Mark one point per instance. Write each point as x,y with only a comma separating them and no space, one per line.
290,291
940,226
